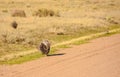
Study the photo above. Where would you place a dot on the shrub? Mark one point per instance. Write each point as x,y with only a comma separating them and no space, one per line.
18,13
12,37
46,12
5,11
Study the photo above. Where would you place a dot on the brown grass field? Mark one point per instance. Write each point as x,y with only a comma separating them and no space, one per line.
75,18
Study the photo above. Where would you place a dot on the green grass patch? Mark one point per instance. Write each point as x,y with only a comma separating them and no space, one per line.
63,46
25,58
81,42
22,59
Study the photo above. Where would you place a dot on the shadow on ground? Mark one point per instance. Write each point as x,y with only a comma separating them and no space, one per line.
58,54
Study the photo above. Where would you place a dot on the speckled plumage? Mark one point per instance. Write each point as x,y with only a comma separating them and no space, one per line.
45,47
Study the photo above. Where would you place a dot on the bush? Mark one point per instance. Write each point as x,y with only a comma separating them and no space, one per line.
46,12
5,11
18,13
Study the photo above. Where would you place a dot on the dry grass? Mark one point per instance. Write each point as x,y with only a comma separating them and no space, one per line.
77,18
45,12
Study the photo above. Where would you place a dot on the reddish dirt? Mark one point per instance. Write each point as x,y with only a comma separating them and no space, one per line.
99,58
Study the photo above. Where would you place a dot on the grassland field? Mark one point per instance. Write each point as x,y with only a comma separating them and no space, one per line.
76,18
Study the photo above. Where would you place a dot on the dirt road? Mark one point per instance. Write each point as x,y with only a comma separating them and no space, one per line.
99,58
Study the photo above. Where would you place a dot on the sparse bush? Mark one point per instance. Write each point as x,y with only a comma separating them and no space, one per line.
18,13
12,2
4,36
12,38
28,5
46,12
5,11
58,30
60,33
111,20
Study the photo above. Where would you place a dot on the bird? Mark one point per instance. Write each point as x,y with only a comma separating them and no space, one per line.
44,47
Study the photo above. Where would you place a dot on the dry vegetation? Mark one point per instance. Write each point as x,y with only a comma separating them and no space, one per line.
57,21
